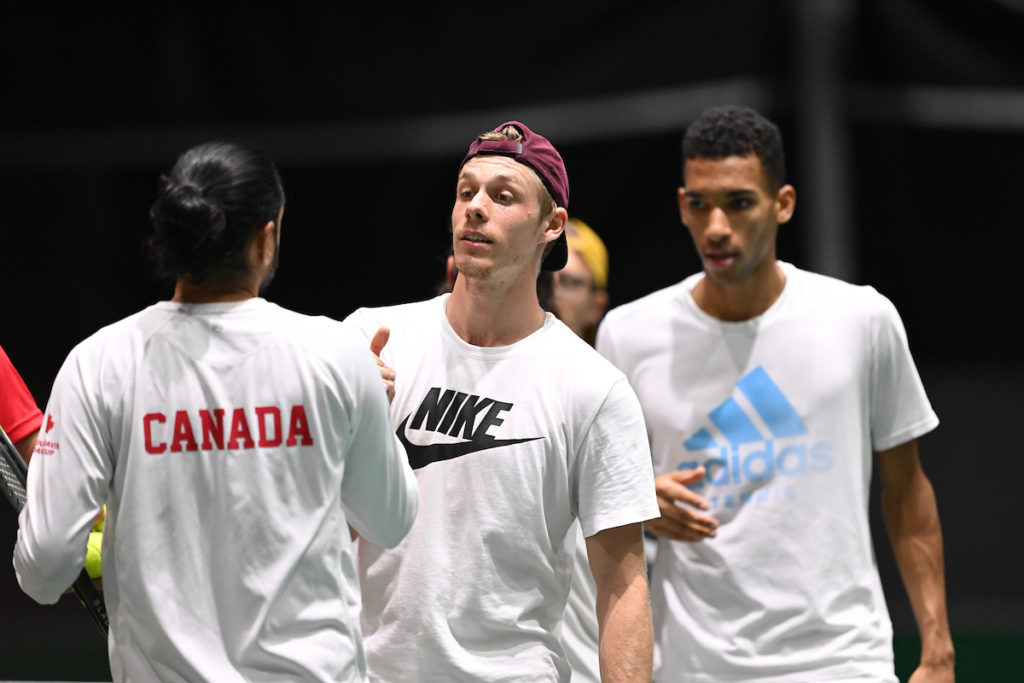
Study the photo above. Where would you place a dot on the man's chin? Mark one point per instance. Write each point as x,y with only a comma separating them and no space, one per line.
473,268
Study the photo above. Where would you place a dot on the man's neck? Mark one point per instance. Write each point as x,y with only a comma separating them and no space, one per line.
743,300
190,293
485,314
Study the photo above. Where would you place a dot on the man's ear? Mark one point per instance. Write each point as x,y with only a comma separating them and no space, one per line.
266,244
785,203
599,305
555,226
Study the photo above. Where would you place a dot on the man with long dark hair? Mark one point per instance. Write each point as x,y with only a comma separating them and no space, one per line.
233,442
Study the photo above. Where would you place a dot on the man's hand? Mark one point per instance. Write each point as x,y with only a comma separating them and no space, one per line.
681,522
377,344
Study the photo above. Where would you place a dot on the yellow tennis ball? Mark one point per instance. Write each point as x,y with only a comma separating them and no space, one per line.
101,519
93,563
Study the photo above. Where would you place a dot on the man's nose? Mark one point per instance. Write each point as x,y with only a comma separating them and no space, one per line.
476,207
718,224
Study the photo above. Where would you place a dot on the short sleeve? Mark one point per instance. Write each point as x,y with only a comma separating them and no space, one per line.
19,414
613,471
899,409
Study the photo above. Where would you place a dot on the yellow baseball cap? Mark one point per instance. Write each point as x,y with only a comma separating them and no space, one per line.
585,242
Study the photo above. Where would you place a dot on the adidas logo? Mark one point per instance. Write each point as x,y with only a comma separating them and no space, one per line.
758,436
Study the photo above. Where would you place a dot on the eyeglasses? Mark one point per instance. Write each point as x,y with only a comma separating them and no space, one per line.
572,282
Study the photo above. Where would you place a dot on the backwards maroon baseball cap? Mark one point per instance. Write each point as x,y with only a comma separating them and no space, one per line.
537,153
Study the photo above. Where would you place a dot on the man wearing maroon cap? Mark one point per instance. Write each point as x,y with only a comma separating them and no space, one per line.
515,428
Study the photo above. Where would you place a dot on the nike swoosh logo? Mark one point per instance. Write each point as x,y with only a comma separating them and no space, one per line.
421,456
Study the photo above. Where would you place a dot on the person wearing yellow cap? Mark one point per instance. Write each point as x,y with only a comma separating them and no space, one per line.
579,294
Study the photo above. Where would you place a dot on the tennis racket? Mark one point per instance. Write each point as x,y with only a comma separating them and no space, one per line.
13,473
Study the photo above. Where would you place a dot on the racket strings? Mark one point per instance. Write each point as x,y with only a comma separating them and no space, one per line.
13,485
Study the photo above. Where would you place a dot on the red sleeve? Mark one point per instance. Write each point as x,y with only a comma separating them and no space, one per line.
19,414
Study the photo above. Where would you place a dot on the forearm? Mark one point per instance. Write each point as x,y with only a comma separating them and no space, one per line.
912,519
27,445
626,635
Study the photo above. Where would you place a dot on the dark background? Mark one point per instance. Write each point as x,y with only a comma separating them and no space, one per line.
904,128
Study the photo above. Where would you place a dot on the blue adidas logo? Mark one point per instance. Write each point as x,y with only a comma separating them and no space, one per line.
747,452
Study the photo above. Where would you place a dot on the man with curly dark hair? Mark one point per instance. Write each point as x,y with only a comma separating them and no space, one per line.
769,394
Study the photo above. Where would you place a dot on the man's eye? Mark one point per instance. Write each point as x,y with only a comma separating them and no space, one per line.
572,282
696,203
504,197
743,203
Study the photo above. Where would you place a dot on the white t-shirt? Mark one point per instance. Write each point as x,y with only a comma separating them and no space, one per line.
232,443
784,410
510,445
